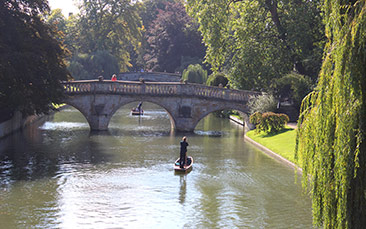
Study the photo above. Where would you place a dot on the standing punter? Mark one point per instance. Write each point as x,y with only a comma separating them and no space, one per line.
183,151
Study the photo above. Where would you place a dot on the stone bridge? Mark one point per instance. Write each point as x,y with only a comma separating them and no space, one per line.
185,103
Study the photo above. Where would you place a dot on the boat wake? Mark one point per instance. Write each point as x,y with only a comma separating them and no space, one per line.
63,125
210,133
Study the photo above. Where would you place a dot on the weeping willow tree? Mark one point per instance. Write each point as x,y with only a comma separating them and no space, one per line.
331,133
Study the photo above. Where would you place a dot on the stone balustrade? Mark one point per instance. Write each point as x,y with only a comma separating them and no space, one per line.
155,89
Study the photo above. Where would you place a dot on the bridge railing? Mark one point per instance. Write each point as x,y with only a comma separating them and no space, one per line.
155,89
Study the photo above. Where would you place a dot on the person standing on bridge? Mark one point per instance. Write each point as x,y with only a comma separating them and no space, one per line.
183,152
114,77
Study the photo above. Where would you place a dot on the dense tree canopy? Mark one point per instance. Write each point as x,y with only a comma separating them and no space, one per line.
332,125
172,37
151,35
31,59
90,66
108,25
105,32
257,41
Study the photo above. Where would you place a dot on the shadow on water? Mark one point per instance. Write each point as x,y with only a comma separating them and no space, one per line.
35,153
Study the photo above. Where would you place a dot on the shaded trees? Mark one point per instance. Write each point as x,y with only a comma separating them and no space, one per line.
31,59
171,37
293,86
216,79
90,66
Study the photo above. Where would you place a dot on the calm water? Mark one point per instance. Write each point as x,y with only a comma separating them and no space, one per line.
59,175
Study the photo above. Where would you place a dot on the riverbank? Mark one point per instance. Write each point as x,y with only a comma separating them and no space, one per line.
18,122
280,146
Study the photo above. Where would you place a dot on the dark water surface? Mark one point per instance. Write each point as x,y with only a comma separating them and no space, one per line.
59,175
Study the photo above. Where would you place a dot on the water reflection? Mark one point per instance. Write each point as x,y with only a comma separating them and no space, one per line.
61,175
183,188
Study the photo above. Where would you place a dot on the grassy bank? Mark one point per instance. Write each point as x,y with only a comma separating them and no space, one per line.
282,143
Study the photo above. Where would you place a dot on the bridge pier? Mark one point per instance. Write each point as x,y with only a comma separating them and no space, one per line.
184,124
98,122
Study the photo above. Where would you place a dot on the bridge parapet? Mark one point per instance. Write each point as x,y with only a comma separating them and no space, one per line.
155,89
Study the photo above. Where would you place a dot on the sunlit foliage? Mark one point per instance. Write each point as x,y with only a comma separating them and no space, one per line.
331,136
256,41
112,26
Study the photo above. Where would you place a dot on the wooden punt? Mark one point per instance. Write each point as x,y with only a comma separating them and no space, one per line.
135,111
186,168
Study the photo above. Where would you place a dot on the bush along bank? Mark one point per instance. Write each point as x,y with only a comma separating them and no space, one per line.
269,122
279,145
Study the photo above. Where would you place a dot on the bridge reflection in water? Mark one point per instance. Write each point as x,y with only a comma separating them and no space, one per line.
185,103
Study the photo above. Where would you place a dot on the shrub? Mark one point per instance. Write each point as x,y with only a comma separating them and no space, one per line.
195,74
269,122
284,118
255,118
216,79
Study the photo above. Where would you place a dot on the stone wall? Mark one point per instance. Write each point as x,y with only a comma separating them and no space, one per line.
16,123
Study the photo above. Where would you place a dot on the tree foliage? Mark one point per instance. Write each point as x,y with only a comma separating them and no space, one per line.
171,37
100,63
257,41
108,25
195,74
332,127
31,59
150,10
57,19
68,28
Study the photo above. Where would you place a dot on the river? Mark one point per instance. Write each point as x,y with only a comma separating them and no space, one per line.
58,174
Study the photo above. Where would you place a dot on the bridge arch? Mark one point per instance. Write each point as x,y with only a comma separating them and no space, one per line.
149,100
99,113
242,109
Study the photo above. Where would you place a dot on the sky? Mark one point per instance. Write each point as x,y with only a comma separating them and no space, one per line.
66,6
